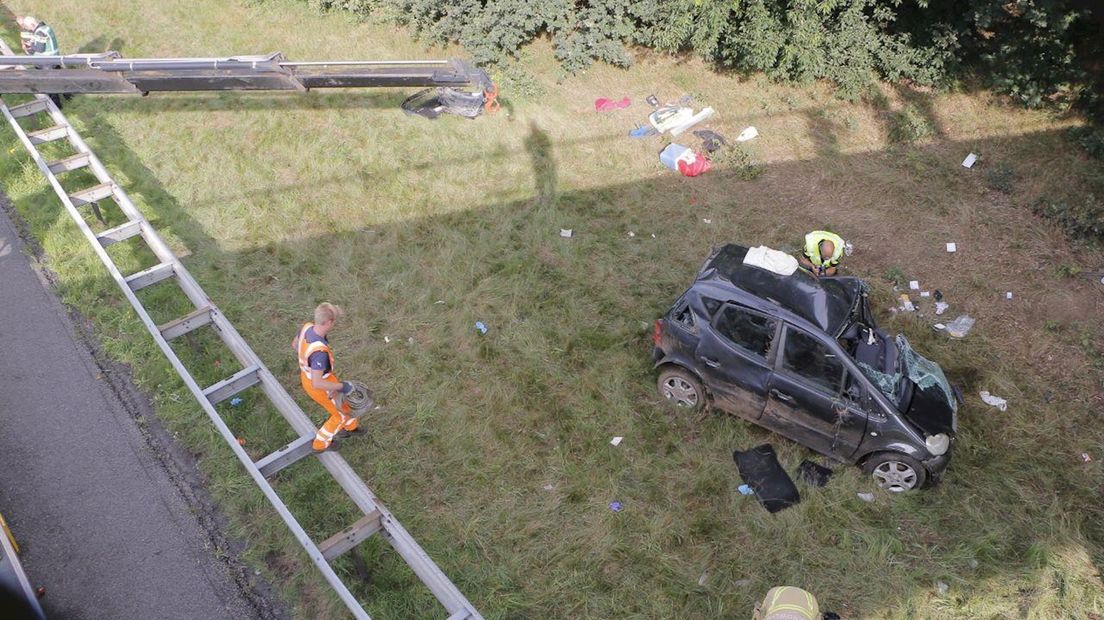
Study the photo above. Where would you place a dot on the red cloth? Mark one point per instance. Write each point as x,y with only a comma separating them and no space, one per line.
605,105
696,167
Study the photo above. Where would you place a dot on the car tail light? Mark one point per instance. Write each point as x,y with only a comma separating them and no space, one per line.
657,335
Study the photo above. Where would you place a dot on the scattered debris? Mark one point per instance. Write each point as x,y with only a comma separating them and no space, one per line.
439,301
616,441
745,490
548,487
673,153
410,341
615,506
480,327
866,497
905,304
704,114
952,247
632,234
387,339
653,236
1008,295
234,402
763,474
652,101
643,131
1086,457
707,220
994,401
711,140
970,160
925,293
702,578
603,104
914,285
938,294
566,233
941,307
942,587
813,474
749,133
961,326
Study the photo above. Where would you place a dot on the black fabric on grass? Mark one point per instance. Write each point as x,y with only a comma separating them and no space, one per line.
813,474
760,469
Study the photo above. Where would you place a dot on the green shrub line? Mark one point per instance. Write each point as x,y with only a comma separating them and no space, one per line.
1035,51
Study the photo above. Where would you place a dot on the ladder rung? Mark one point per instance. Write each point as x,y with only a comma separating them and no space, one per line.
191,321
27,109
351,536
57,132
146,277
92,194
73,162
229,386
121,232
285,456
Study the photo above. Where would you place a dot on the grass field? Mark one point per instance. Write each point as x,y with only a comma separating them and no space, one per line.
493,450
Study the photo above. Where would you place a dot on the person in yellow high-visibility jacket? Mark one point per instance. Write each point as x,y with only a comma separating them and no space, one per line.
823,251
316,374
787,603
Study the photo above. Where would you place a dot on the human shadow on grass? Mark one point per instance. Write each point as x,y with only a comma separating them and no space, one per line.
997,508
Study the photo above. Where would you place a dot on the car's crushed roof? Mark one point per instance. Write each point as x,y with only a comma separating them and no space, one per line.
825,302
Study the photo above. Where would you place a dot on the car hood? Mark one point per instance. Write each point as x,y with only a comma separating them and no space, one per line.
933,406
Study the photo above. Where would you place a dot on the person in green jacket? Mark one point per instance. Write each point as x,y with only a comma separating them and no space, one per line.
37,37
822,252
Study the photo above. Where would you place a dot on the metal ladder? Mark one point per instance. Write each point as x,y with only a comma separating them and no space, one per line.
377,519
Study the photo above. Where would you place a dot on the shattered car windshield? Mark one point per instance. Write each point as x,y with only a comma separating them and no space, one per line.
920,370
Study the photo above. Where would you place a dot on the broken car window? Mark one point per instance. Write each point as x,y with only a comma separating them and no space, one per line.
711,305
746,329
806,357
683,316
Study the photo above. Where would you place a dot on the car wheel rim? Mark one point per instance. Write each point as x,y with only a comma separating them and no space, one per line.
895,476
680,392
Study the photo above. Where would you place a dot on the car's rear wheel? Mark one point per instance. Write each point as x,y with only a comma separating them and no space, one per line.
681,389
895,472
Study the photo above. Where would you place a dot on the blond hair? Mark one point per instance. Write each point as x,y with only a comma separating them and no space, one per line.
327,312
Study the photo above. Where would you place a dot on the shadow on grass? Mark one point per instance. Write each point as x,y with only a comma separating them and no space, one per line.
567,359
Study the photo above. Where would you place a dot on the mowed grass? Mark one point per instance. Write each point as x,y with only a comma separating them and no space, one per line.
493,450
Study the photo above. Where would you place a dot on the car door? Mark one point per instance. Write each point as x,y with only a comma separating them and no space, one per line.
806,397
733,353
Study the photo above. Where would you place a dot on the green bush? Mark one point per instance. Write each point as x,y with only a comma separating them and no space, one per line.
1026,48
1084,220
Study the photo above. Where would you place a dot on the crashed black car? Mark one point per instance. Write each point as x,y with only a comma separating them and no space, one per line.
802,356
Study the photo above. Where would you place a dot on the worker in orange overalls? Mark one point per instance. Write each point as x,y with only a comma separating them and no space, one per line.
316,373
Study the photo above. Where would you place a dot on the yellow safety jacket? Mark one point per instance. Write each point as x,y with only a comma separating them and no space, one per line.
812,248
788,603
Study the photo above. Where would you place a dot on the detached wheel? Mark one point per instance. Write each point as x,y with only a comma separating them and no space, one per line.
681,389
895,472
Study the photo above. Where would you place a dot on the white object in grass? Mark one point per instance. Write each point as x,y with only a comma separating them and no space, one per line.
707,221
566,233
749,133
995,401
616,441
925,293
914,285
970,160
1008,295
952,247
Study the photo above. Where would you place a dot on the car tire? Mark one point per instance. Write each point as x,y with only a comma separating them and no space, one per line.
681,389
895,472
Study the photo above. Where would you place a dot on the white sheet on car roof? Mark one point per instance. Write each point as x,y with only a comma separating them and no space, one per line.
772,260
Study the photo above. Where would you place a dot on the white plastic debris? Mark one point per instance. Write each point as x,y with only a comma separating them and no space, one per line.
749,133
703,578
566,233
616,441
914,285
866,497
410,341
548,487
925,293
952,247
387,339
942,588
1086,457
970,160
939,326
941,307
632,234
994,401
1008,295
848,248
704,114
707,220
961,326
653,236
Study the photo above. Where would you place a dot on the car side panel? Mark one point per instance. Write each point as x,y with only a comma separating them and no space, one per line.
736,378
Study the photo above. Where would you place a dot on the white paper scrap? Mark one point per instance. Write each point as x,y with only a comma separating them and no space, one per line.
565,233
969,161
925,293
747,134
616,441
914,285
952,247
1008,295
707,221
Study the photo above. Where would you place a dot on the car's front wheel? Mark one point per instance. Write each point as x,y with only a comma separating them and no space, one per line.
681,389
895,472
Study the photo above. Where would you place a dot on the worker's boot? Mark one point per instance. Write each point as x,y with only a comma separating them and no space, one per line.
334,446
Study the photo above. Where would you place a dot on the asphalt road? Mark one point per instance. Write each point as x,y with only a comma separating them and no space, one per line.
106,526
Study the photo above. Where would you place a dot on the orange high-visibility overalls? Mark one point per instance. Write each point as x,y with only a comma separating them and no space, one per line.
339,418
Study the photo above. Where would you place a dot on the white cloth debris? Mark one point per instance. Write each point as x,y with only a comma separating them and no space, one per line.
969,161
387,338
749,133
772,260
961,326
941,307
952,247
632,234
566,233
707,221
616,441
995,401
